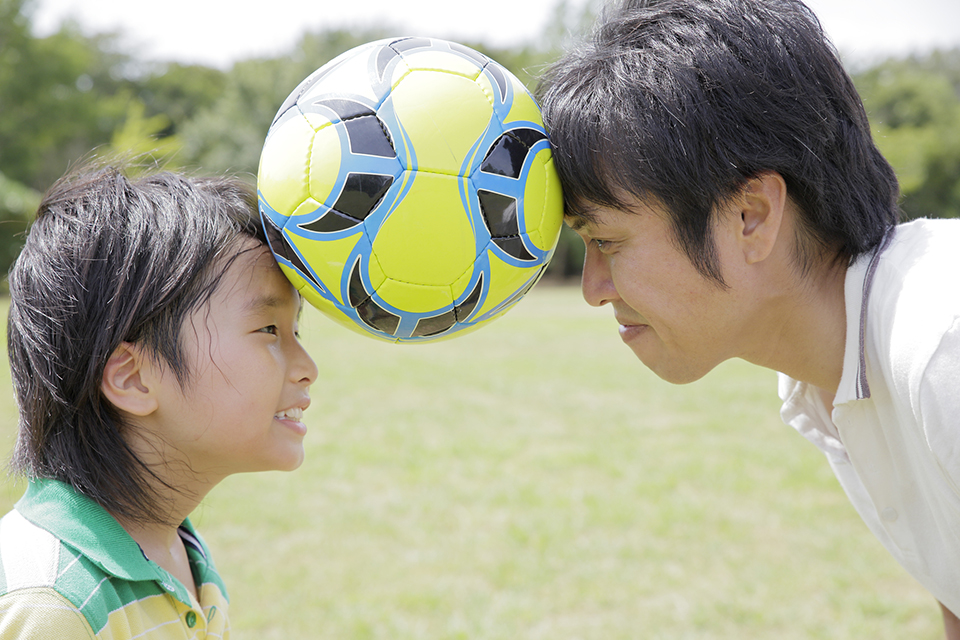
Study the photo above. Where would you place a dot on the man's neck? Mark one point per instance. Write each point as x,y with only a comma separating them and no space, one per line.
808,331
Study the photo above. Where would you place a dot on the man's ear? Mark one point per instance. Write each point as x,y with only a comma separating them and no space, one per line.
128,381
762,205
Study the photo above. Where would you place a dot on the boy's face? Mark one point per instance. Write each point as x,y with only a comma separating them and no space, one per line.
242,408
677,322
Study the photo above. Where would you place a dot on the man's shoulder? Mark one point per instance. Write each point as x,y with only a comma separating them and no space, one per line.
914,303
914,288
924,242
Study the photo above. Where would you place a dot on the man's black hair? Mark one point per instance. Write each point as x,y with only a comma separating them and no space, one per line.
681,102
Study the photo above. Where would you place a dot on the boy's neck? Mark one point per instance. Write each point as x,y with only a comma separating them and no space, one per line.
162,544
161,541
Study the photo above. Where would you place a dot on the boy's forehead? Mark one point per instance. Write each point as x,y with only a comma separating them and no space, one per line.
276,290
254,277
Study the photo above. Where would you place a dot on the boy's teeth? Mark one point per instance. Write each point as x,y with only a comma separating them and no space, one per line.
296,414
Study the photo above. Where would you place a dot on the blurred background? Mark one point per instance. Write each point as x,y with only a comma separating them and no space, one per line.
196,82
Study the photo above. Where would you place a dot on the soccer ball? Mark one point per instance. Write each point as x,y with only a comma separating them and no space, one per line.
408,191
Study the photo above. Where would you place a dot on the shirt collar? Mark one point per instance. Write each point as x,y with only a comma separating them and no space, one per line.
83,524
857,287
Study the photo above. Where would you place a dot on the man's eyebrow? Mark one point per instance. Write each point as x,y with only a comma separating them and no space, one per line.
579,222
580,216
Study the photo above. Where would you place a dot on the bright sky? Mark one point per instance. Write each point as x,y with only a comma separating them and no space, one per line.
217,32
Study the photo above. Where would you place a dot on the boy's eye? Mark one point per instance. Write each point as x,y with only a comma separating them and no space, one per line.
271,329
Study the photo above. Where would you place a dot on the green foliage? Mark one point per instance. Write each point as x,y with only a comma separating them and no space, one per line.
180,91
914,107
140,136
67,94
17,204
60,96
227,133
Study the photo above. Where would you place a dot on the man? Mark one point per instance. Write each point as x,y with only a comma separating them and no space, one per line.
718,163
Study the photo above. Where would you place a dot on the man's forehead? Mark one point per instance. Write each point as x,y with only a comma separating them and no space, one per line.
591,215
584,215
577,223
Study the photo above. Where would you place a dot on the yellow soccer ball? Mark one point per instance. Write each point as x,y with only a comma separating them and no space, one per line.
408,190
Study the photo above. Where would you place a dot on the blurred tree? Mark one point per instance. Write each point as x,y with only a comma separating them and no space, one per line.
227,134
18,204
914,107
66,94
142,137
180,92
58,97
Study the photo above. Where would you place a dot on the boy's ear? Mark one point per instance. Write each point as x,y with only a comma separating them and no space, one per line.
127,381
762,205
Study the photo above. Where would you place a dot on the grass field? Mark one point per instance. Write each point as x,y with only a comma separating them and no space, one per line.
531,481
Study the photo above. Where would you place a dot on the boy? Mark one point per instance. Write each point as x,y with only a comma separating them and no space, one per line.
154,349
718,163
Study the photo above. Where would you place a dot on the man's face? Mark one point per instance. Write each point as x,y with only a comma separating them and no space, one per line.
679,323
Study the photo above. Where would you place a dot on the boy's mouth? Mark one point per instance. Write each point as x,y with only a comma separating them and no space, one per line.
295,413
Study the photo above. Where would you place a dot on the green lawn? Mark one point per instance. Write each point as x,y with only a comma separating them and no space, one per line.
532,480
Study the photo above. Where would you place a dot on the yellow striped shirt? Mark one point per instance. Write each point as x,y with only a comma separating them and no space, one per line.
69,570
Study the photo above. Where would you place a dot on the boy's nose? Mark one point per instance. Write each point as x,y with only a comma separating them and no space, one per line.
304,369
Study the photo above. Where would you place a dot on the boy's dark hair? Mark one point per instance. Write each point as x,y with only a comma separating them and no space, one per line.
682,102
111,259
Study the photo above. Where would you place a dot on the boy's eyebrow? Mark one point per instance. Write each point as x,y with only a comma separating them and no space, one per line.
268,302
263,302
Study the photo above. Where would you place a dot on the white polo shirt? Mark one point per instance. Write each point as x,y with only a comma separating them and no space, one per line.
893,437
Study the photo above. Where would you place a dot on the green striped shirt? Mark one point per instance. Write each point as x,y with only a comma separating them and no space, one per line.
69,570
